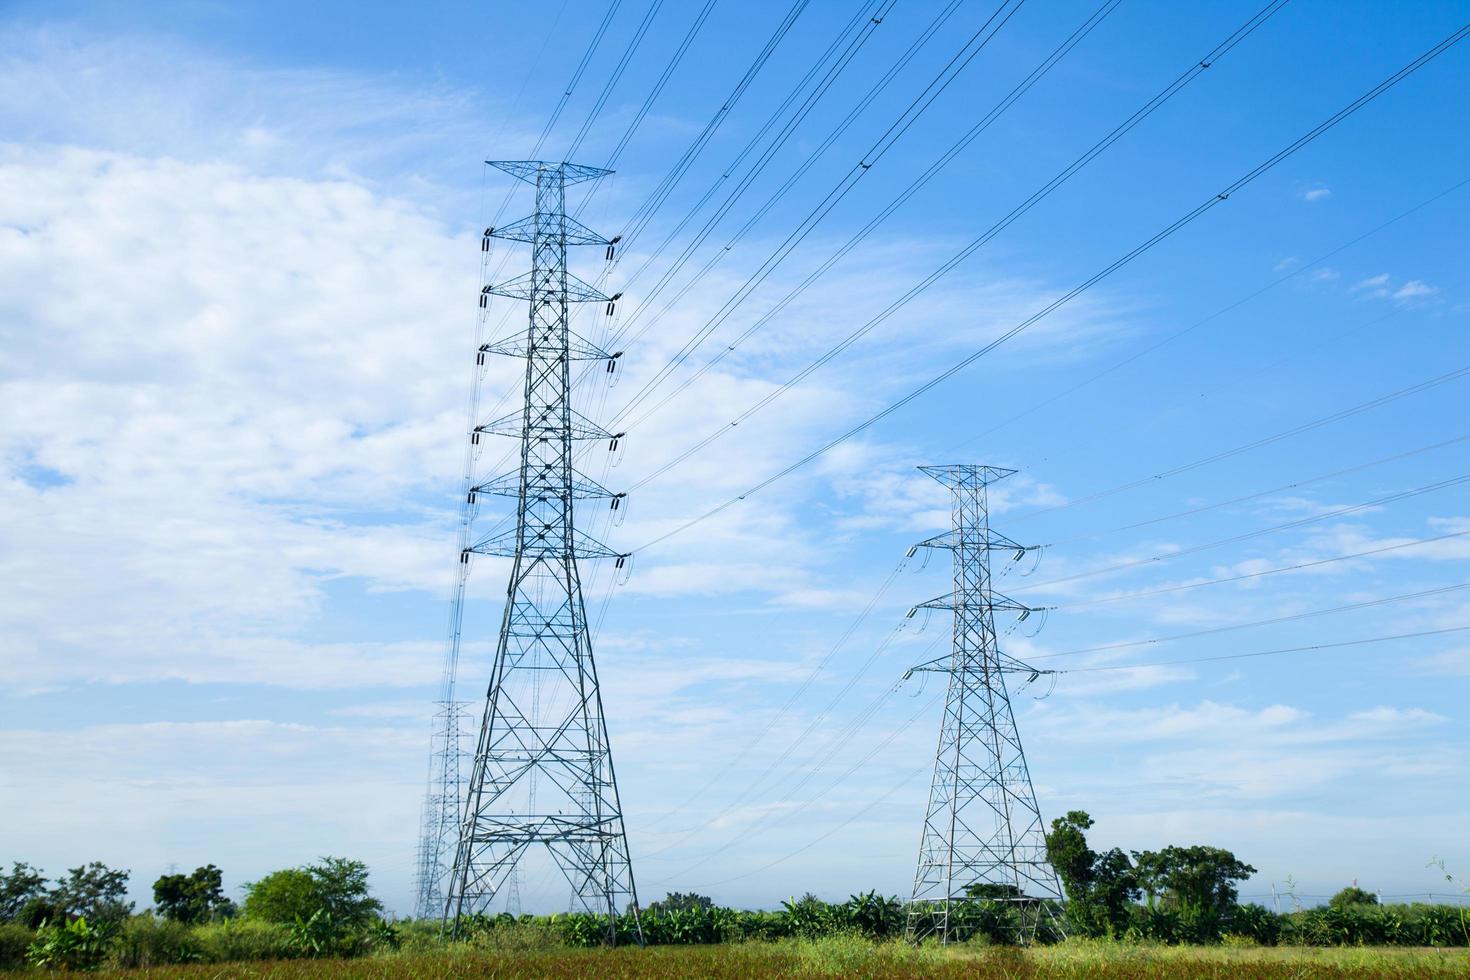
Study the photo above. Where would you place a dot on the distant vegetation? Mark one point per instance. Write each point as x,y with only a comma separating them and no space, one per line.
1181,896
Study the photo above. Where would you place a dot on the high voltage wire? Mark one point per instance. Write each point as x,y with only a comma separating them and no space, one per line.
656,199
666,186
913,188
801,689
840,746
870,157
1146,246
851,729
1295,273
1275,437
1268,653
1269,571
662,81
1231,627
1146,110
750,73
1295,484
810,158
615,77
1288,525
857,723
915,772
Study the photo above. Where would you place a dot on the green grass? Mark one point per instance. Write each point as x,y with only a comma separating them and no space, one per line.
854,958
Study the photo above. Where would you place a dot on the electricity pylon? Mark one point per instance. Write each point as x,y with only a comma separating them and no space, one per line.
542,773
983,835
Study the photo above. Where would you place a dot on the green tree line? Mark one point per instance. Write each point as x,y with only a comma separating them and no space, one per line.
1179,894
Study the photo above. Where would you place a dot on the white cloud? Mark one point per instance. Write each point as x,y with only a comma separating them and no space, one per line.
1314,194
1414,289
1414,292
1384,715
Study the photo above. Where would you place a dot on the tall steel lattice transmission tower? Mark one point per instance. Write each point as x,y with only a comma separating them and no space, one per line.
983,834
542,772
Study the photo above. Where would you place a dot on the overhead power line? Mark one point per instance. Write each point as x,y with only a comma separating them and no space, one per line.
845,184
1294,485
1300,270
1268,653
1118,132
1232,627
1168,231
1246,576
1025,85
1248,535
809,160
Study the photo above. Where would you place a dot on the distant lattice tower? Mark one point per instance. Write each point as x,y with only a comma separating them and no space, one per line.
542,772
983,834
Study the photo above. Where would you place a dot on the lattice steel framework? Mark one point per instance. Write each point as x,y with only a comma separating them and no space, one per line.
542,773
983,835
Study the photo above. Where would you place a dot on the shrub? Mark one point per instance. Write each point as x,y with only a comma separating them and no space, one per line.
73,946
146,941
529,934
235,940
15,939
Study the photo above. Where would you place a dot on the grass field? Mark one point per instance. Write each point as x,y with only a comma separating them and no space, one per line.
856,958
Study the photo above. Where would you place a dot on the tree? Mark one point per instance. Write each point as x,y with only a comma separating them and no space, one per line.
193,898
680,902
282,896
94,891
1197,878
336,886
21,888
1100,887
343,889
1352,895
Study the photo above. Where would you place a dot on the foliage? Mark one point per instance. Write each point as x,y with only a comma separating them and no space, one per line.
1199,880
15,940
337,887
146,941
1353,895
342,888
1375,925
192,898
243,939
19,889
679,901
1101,888
75,945
282,897
93,891
319,935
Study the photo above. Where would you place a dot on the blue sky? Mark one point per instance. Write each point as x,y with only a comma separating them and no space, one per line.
238,257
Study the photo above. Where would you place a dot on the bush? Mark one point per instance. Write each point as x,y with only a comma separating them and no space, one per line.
235,940
73,946
145,941
15,939
506,934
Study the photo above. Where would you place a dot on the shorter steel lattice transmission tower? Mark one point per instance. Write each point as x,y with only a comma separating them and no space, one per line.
983,835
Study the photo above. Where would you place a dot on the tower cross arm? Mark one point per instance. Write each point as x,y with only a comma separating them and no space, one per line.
578,348
1005,663
532,170
525,286
953,600
987,539
572,231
